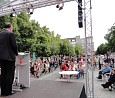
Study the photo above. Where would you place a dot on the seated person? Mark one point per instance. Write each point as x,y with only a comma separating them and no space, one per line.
106,69
72,67
36,69
111,80
63,67
80,70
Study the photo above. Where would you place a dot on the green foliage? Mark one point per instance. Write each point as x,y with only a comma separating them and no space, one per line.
110,37
102,49
110,45
66,48
78,49
31,37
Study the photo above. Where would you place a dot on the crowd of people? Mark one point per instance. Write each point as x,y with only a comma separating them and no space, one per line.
72,66
64,63
43,66
106,68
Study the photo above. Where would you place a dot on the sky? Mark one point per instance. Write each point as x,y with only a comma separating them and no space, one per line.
65,22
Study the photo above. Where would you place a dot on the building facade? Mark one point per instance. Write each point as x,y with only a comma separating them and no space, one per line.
81,41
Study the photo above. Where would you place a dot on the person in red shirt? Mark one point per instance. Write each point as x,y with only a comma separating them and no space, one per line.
63,67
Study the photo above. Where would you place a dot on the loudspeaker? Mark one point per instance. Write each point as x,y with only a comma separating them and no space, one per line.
80,14
0,80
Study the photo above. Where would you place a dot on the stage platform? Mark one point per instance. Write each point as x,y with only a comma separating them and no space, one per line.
52,89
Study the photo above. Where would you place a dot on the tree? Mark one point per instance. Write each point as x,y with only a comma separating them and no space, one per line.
110,37
78,49
66,48
31,37
102,49
25,32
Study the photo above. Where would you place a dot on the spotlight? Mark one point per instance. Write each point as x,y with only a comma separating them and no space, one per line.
13,15
61,8
14,10
30,11
60,4
57,6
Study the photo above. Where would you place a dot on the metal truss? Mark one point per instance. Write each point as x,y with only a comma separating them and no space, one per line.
28,4
89,48
33,4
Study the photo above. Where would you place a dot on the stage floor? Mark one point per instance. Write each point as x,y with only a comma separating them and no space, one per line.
52,89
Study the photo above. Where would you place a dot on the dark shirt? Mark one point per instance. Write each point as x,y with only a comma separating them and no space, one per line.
8,46
112,78
51,64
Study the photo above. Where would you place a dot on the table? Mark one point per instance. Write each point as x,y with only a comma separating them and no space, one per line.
68,73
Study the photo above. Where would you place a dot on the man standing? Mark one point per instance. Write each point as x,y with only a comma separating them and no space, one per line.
8,53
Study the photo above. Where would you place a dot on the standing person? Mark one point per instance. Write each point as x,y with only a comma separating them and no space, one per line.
8,53
51,65
113,62
99,63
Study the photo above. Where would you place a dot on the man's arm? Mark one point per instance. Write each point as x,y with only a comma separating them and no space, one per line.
13,43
